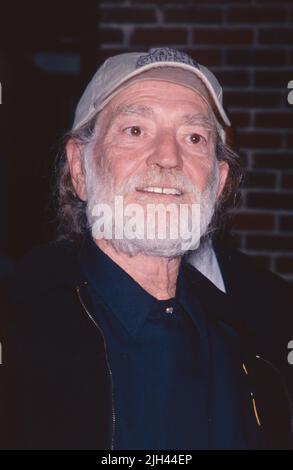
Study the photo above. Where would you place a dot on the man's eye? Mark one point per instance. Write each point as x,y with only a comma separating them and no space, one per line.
196,138
135,131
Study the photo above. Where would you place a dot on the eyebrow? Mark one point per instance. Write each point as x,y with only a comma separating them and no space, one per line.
197,118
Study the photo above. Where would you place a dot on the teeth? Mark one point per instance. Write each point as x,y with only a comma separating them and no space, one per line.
171,191
154,189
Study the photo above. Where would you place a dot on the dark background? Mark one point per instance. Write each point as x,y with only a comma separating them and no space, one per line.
48,52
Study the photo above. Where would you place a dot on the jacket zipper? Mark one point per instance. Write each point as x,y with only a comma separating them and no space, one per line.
107,361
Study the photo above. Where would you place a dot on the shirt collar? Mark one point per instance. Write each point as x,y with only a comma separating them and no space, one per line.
124,297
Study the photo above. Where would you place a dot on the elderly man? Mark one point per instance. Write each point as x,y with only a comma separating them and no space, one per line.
115,339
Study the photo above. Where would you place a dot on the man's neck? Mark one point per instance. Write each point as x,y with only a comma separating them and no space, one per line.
155,274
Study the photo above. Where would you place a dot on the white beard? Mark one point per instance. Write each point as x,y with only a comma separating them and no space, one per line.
100,191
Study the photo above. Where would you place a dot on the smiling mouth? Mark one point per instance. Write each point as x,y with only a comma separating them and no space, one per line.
160,190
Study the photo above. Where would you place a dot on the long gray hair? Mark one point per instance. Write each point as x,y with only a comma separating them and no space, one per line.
71,213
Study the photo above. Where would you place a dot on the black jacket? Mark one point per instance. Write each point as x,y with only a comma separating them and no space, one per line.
55,381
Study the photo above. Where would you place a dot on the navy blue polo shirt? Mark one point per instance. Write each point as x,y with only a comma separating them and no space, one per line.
177,380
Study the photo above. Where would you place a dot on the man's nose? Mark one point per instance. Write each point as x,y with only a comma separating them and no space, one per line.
166,151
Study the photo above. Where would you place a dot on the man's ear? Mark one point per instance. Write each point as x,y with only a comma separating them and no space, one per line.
223,173
73,153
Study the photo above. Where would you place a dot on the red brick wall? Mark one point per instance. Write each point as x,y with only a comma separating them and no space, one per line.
249,46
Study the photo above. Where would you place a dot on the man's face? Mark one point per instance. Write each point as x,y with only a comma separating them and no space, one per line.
156,146
158,128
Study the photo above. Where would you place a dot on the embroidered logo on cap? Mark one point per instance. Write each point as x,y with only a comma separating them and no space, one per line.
165,54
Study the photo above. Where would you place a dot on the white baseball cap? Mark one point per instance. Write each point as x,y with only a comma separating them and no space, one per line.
120,71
